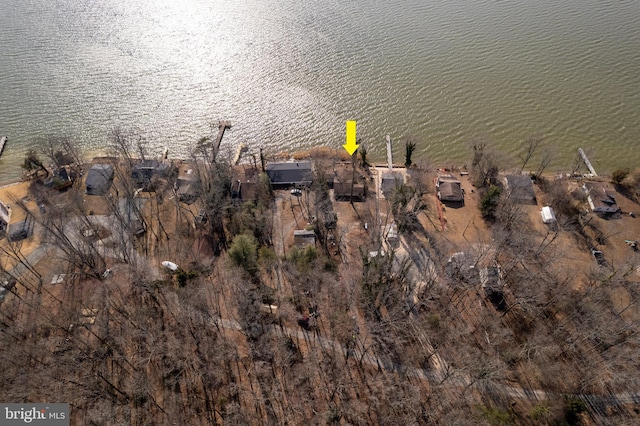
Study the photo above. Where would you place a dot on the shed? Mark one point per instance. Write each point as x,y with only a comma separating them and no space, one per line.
548,215
99,179
303,237
290,173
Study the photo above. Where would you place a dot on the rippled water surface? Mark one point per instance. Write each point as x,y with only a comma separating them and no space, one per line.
289,73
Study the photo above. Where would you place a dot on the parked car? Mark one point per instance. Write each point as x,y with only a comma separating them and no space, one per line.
201,218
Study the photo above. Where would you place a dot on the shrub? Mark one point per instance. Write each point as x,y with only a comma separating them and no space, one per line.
489,203
572,410
303,258
619,175
495,416
539,412
243,252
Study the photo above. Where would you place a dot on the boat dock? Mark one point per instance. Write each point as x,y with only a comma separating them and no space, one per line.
587,162
3,141
389,155
222,126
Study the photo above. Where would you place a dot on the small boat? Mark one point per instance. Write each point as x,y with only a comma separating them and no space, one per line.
3,140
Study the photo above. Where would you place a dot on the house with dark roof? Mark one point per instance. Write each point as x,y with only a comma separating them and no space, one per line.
519,188
291,173
99,179
346,188
143,171
601,198
449,189
244,186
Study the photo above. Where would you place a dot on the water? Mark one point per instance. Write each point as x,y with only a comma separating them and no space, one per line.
289,73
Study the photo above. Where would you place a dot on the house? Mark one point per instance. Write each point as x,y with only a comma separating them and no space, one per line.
346,184
5,217
20,230
99,179
143,171
244,186
187,184
303,238
601,198
390,182
519,188
60,179
292,173
449,189
346,191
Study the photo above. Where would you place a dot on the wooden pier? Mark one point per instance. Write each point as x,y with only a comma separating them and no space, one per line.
587,162
3,141
222,126
389,155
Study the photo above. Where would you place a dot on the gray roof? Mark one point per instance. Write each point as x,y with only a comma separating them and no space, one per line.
390,181
520,189
449,189
99,179
290,173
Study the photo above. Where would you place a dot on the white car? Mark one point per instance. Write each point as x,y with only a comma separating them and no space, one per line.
170,265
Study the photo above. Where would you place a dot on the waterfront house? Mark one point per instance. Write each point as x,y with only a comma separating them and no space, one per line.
99,179
291,173
144,171
449,189
519,188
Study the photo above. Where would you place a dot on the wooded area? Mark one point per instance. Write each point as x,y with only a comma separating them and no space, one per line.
475,315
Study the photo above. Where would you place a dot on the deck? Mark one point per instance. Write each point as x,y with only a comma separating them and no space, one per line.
222,126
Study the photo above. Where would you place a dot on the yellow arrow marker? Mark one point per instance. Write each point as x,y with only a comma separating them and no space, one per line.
351,144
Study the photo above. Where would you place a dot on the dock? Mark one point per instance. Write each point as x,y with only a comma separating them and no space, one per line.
587,162
222,126
389,155
3,141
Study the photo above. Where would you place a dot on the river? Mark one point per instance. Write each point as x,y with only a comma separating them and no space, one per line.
289,73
